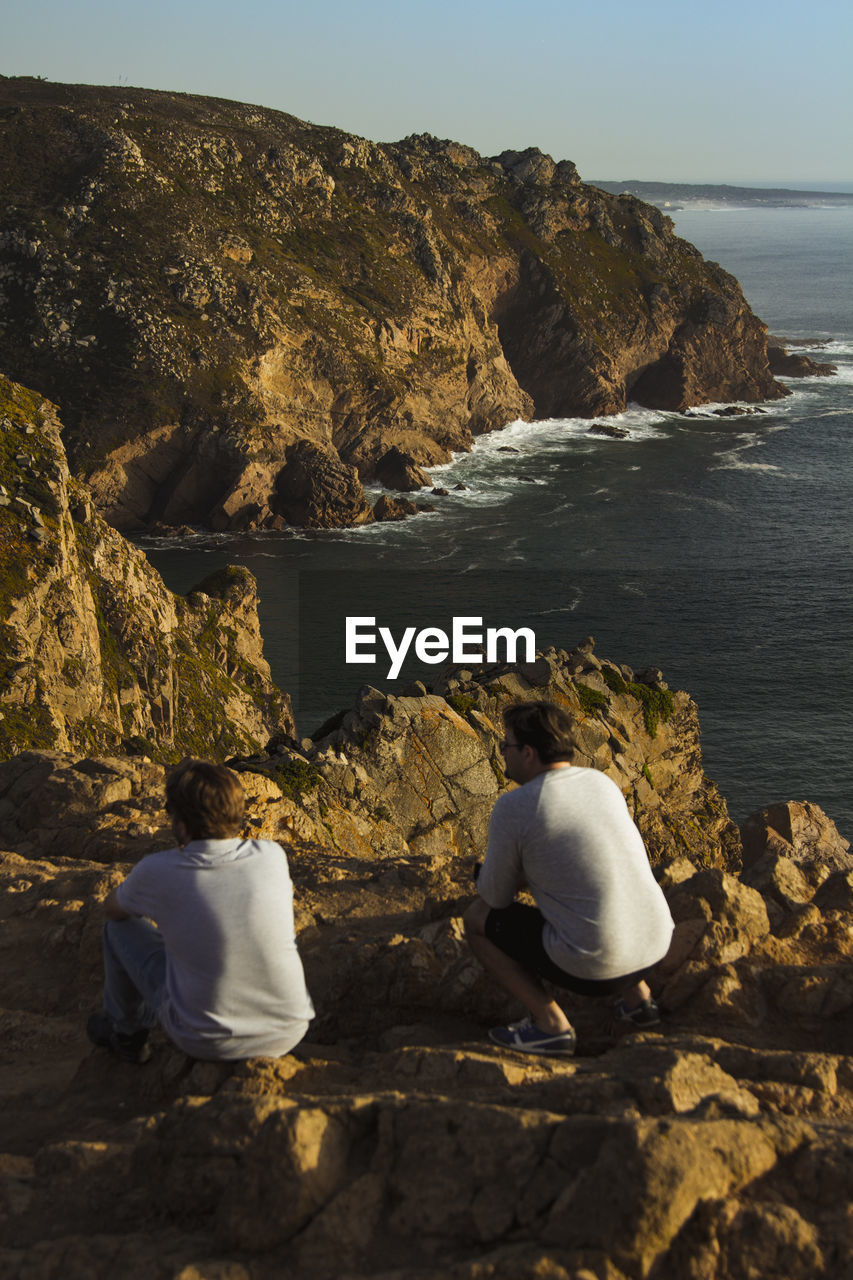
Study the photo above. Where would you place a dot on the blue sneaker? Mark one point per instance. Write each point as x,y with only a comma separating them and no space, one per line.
525,1037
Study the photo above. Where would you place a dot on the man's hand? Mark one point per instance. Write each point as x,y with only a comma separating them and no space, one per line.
111,908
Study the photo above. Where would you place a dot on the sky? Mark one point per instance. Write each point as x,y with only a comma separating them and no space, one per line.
734,91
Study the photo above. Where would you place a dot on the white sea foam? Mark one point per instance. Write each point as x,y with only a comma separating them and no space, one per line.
733,462
831,348
559,609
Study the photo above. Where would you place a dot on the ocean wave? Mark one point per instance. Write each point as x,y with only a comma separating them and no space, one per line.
844,373
694,499
553,433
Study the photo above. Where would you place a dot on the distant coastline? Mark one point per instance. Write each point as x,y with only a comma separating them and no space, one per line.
672,196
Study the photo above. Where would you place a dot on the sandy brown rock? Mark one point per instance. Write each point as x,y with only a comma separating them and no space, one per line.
398,1142
410,1152
97,654
797,831
316,489
202,284
388,508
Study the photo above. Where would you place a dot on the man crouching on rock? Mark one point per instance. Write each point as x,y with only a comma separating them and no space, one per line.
600,922
221,971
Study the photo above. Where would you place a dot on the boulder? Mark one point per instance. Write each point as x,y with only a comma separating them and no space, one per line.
398,470
801,832
315,489
387,508
608,429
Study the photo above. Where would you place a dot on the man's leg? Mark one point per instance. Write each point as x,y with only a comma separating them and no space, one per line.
134,974
637,1007
639,994
510,974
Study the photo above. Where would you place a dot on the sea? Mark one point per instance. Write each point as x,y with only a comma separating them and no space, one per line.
715,549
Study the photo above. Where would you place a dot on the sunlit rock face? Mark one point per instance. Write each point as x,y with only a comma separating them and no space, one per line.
97,655
202,284
397,1140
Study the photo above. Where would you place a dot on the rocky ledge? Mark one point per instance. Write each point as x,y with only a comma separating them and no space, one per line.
396,1141
205,286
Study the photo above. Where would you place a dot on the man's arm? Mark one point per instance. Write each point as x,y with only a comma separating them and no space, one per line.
501,876
111,908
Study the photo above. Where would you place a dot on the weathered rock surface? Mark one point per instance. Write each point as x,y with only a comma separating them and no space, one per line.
388,508
397,1141
398,470
202,284
316,489
96,653
788,364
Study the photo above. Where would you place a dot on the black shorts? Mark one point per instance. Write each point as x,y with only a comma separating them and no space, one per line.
517,931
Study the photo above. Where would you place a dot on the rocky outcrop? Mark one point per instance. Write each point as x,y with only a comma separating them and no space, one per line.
316,489
202,285
397,1140
97,654
398,470
415,777
790,364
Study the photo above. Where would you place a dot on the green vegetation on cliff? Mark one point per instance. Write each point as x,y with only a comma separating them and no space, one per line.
240,280
97,656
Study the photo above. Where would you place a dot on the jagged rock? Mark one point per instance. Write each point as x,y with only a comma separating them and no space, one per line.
398,470
387,508
608,429
314,488
779,879
409,1144
248,503
836,892
97,654
801,832
199,296
786,364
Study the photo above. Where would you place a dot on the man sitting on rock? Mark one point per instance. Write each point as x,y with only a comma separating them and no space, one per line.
221,971
600,922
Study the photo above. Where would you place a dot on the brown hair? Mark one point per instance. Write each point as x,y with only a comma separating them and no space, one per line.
207,798
544,726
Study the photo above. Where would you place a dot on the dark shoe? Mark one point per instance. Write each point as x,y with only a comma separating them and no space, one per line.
133,1048
526,1038
646,1014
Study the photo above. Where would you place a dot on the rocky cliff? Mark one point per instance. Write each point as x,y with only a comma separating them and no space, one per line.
397,1142
96,653
206,286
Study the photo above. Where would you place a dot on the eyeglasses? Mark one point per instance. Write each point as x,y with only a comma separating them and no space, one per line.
506,744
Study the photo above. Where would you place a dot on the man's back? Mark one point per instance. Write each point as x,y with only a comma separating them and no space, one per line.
234,981
568,834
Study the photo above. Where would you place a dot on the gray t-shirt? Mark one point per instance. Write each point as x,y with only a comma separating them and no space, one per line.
567,834
234,981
